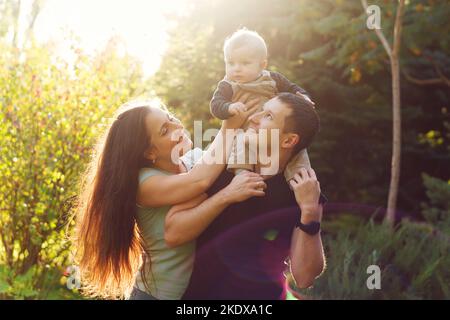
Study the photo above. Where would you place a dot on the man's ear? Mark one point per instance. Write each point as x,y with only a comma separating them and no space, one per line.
290,141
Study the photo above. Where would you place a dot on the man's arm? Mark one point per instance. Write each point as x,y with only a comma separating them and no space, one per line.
307,256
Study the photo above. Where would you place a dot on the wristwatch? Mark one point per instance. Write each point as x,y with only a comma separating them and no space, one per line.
311,228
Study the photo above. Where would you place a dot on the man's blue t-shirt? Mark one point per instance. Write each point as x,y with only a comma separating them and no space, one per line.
241,254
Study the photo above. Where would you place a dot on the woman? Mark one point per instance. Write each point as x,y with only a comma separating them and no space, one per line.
131,184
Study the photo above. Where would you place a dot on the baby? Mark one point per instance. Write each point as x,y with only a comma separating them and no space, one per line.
245,55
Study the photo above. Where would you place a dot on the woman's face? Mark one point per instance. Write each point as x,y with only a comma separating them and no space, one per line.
168,137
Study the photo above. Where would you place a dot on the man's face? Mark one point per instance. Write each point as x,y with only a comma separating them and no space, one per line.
272,118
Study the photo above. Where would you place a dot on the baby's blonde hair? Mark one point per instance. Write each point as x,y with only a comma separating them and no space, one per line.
244,37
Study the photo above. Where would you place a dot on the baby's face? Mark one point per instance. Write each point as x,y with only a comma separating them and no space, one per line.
243,64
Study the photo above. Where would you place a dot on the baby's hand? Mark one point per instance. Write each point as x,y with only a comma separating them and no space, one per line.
306,97
237,108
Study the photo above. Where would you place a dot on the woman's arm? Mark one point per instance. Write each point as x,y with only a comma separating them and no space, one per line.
185,222
160,190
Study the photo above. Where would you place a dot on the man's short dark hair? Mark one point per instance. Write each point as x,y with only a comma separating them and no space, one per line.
303,119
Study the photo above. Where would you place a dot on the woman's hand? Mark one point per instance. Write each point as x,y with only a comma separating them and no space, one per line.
244,186
237,108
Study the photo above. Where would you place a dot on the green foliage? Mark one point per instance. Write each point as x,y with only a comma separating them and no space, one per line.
437,212
188,75
413,259
51,115
52,112
325,47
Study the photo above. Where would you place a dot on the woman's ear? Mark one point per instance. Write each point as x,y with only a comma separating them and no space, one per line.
290,141
150,154
264,64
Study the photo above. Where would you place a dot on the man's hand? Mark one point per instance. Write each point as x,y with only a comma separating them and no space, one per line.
307,191
305,97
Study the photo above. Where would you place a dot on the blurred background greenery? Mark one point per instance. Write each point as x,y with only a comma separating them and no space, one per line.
52,112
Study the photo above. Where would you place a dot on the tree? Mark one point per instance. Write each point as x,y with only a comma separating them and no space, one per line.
10,11
325,47
396,107
51,115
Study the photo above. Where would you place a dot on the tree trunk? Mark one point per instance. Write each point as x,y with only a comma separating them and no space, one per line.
396,117
396,142
16,24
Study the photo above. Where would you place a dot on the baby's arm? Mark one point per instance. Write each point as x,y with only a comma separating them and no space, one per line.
284,85
221,101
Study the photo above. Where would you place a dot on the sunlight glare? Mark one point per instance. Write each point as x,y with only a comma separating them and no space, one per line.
141,25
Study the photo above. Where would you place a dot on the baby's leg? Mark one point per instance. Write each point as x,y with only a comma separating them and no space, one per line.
239,171
238,161
300,160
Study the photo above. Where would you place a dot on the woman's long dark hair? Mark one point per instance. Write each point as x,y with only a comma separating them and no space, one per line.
108,244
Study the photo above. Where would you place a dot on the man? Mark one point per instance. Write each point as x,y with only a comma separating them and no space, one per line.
242,253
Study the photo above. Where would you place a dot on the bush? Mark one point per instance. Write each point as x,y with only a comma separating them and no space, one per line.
51,114
437,212
413,258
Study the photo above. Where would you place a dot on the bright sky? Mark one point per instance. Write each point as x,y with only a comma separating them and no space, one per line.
140,23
